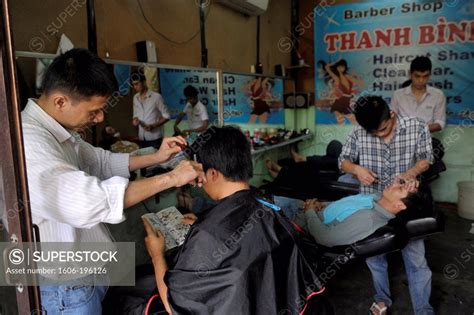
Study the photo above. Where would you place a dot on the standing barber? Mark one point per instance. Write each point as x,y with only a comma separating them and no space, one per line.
198,119
149,113
382,149
73,186
419,99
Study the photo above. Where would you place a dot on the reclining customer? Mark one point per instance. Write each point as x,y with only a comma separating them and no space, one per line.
353,218
238,258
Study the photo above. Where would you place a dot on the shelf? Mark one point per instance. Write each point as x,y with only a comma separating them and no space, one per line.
303,66
36,55
281,144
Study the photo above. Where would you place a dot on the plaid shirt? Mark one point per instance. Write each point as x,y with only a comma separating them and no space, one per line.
410,144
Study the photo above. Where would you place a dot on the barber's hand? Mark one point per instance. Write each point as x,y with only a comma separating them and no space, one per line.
189,218
365,176
313,204
136,121
169,147
188,172
408,180
149,127
154,242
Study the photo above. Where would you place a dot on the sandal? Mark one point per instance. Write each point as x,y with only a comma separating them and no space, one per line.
376,309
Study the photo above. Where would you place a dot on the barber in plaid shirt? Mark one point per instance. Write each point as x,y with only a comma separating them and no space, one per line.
388,148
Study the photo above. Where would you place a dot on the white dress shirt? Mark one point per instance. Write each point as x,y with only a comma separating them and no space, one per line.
149,111
431,108
73,186
196,115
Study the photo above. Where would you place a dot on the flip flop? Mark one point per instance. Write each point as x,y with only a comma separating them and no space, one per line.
377,308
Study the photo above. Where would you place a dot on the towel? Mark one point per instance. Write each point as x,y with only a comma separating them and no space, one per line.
341,209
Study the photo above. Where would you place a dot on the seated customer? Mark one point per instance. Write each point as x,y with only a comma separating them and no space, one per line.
354,218
238,257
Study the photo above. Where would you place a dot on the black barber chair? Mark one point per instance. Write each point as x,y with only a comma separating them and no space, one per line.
319,180
386,239
328,188
390,238
394,236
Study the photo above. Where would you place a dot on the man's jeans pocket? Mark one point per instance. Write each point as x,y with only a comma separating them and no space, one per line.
72,299
76,295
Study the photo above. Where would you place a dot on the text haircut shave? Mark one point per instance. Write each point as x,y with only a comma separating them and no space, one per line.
190,91
370,112
227,150
420,64
81,74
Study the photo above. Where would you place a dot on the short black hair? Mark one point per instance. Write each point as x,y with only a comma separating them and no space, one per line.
418,204
81,74
190,91
371,111
227,150
137,76
421,64
419,200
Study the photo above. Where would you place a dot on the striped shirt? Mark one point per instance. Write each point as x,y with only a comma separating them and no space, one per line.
73,186
410,143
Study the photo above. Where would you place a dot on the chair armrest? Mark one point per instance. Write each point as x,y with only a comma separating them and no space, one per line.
388,238
423,227
383,240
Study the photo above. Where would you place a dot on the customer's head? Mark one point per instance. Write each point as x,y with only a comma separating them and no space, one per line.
76,87
420,72
191,93
401,197
138,80
224,153
373,114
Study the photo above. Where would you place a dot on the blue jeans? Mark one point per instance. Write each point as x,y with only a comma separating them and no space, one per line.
291,207
348,178
418,274
72,299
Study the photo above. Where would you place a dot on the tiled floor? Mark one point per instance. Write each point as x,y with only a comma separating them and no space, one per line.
451,258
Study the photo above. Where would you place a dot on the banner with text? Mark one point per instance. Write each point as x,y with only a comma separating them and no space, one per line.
247,98
366,48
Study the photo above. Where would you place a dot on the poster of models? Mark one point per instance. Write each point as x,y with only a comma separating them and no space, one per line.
366,48
247,98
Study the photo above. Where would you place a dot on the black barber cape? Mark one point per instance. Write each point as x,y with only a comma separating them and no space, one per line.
241,257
